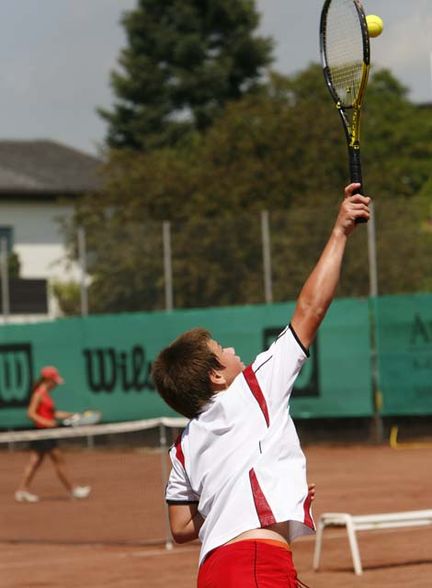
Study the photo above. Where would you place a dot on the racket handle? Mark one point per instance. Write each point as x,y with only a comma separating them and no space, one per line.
356,174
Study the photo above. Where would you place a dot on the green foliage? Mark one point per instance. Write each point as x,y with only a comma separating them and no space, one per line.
397,137
282,150
68,296
127,267
14,265
185,59
404,242
265,153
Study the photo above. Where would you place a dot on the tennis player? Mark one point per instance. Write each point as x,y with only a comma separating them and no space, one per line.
238,478
44,415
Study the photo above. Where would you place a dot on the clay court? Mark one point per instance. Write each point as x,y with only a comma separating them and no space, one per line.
116,537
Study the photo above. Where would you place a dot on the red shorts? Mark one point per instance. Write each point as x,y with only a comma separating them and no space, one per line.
248,564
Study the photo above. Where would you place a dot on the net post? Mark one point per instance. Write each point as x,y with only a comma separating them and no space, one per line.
164,469
90,441
11,444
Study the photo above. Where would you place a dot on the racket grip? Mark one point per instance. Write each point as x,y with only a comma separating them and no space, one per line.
356,174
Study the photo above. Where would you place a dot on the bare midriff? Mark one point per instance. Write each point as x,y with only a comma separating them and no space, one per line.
277,532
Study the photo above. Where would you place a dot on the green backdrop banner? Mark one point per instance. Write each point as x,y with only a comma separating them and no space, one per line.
106,360
405,353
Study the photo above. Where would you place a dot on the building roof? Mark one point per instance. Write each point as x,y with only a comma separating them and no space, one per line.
46,168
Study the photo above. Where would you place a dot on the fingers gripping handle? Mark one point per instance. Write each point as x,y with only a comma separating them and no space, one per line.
356,174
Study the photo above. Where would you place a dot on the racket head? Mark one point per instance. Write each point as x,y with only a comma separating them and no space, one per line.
88,417
345,58
345,51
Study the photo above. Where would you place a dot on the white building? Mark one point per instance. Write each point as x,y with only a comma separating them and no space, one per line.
39,183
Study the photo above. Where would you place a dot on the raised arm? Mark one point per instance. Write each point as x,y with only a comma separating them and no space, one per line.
319,289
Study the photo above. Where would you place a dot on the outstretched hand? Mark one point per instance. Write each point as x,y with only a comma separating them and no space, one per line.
354,206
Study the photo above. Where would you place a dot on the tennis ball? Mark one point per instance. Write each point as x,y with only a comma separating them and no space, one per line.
375,25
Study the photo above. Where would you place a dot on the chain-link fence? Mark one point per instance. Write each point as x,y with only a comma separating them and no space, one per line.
250,258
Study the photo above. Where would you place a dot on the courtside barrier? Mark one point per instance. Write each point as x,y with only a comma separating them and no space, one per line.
106,360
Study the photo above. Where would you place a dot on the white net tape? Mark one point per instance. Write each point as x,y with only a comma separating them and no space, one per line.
91,430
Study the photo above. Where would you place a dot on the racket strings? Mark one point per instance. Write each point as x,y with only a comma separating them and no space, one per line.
344,49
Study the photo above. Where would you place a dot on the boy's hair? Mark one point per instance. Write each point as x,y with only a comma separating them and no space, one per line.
182,370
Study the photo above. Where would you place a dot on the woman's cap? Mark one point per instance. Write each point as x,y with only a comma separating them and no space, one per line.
49,372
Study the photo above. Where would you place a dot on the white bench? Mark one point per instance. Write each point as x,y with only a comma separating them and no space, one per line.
365,523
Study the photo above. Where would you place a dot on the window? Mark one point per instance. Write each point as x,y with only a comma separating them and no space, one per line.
7,233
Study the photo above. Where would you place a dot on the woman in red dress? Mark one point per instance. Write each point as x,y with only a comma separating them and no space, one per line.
42,412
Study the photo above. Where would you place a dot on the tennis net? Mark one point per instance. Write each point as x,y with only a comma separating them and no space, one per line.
126,505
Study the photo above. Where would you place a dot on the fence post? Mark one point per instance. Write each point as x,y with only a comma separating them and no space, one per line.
82,255
372,255
266,251
4,256
377,432
166,233
163,450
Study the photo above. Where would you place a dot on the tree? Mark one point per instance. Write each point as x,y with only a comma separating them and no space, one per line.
184,61
397,135
67,295
14,265
282,150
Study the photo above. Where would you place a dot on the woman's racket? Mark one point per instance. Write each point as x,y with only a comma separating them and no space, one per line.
78,419
345,56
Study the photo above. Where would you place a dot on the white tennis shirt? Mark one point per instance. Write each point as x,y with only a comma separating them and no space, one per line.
241,459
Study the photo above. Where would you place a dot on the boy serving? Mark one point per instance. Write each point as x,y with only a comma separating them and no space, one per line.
238,478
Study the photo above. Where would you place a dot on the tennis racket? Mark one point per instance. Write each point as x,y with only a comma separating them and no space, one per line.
345,57
88,417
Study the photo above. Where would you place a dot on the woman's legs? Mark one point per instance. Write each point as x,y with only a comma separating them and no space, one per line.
59,465
31,468
22,493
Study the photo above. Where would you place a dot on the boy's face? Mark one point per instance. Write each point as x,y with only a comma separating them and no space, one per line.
232,364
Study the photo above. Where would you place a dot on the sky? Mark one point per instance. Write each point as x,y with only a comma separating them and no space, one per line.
56,57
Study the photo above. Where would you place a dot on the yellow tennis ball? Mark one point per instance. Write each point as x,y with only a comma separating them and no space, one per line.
375,25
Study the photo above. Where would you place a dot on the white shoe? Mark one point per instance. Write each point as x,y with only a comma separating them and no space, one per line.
24,496
81,491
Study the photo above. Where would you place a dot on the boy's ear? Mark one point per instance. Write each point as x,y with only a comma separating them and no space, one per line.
218,380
